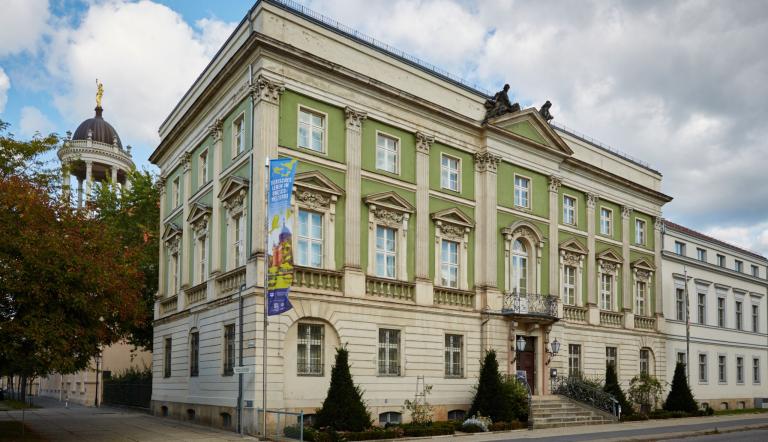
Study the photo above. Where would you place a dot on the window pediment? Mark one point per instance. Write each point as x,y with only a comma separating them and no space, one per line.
172,237
233,192
390,200
199,215
643,264
315,191
526,230
529,126
573,246
454,217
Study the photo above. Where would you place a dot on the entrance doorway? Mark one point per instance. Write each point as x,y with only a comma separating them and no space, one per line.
526,361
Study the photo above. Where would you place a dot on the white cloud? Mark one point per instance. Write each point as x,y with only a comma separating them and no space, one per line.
5,85
22,24
33,121
146,56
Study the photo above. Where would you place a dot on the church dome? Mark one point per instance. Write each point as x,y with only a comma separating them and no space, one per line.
101,131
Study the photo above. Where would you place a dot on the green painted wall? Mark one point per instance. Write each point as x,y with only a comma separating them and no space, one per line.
288,132
369,187
506,185
581,207
198,181
244,109
526,129
176,173
436,205
650,232
407,150
616,219
467,185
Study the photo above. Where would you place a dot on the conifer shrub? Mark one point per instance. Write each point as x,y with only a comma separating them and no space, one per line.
612,387
680,397
491,395
343,408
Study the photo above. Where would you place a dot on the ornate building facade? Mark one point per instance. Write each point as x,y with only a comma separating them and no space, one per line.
426,232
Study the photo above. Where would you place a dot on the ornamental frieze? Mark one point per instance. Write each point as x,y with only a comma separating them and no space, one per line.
388,218
313,200
608,267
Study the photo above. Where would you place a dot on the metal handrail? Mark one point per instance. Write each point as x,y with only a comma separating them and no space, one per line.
581,391
530,304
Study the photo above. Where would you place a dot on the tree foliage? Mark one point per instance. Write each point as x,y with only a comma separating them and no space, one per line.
493,398
343,408
680,397
645,391
612,387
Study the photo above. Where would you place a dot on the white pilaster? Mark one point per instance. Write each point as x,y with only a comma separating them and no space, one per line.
554,186
354,278
424,294
626,275
658,307
215,129
486,165
186,238
88,179
594,311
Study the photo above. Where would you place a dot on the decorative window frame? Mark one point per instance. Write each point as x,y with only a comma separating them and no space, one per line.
388,209
642,271
202,167
453,225
399,152
311,110
572,253
239,117
234,199
172,237
608,262
198,219
458,171
315,192
575,222
530,191
532,235
611,221
644,231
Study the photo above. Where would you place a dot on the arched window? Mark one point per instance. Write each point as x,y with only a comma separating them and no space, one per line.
646,361
456,415
519,268
390,417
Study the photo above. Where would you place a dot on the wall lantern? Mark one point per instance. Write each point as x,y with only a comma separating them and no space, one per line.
555,349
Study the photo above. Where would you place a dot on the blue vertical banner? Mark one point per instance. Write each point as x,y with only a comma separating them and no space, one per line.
279,237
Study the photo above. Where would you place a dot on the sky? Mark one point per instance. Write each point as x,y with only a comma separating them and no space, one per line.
679,84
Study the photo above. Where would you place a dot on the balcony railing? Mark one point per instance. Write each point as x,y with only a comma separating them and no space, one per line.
169,305
610,319
574,313
318,279
197,293
645,323
450,296
230,282
390,288
530,304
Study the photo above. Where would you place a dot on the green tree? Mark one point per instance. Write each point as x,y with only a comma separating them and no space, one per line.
343,408
25,158
680,397
645,391
490,399
612,387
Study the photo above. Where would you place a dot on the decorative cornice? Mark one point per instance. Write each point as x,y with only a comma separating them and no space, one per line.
266,89
486,161
424,142
555,182
215,129
354,118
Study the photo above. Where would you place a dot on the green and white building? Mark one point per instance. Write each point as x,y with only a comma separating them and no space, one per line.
425,235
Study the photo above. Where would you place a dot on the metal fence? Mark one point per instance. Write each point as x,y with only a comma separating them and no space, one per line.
128,394
281,425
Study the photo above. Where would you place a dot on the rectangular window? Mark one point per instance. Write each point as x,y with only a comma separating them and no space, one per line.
202,256
755,370
755,271
311,130
702,367
639,232
229,349
606,221
522,192
449,264
680,304
702,308
386,252
173,274
739,315
755,318
721,312
574,360
606,291
449,173
309,246
701,255
309,350
387,153
569,285
569,210
721,260
203,168
389,352
645,361
176,193
238,136
167,358
610,357
679,248
681,357
738,266
454,365
739,370
640,298
238,241
721,370
194,354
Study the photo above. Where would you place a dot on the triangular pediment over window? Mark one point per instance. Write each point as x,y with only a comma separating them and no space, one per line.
318,182
453,216
390,200
574,246
198,211
529,127
610,255
232,186
171,231
643,264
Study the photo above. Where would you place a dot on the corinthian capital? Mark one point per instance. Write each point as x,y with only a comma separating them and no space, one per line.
215,129
626,211
266,89
186,158
592,199
486,161
554,183
354,118
424,142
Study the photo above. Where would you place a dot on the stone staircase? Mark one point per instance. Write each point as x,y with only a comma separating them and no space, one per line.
559,411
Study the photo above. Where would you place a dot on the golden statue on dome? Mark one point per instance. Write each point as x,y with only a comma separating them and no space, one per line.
99,92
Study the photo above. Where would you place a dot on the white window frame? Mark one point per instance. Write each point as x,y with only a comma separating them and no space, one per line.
570,211
201,257
722,312
228,352
755,271
569,287
738,314
721,260
202,168
239,230
645,362
612,358
740,369
679,248
701,314
756,375
311,128
452,227
388,366
640,236
309,239
523,192
194,353
444,170
701,254
606,221
722,368
574,360
454,355
238,136
607,297
738,266
314,192
447,265
680,303
176,192
304,345
755,309
385,253
392,218
703,374
397,152
641,297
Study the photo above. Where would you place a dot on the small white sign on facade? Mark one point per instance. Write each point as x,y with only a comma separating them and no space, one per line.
246,369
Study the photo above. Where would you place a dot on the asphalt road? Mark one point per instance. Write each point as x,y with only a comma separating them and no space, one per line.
741,436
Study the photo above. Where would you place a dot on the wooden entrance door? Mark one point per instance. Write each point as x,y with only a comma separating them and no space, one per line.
526,361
